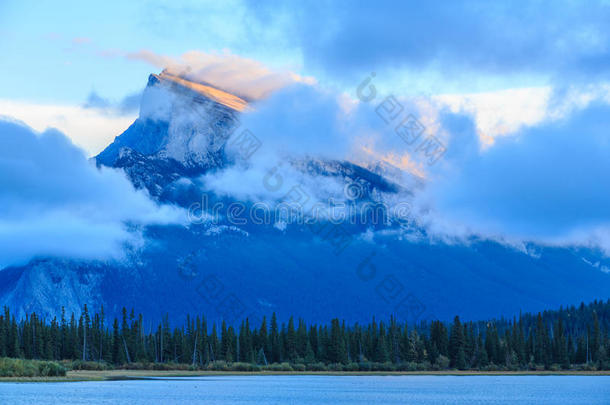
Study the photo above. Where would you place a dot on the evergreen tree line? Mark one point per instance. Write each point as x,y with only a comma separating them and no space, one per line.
575,337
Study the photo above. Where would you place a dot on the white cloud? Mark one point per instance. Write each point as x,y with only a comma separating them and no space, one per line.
55,202
505,112
501,112
89,128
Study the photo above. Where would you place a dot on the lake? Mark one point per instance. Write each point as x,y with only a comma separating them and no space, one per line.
302,389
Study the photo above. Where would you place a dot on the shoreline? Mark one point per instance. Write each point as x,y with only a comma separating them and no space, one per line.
121,375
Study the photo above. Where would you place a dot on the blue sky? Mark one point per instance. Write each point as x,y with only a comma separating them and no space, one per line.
518,90
62,50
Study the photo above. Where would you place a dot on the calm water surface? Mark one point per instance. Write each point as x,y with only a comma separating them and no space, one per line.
589,390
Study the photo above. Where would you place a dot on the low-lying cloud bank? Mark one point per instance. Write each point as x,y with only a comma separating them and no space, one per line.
89,128
459,40
56,203
546,182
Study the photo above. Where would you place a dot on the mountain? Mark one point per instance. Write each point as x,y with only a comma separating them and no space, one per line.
179,121
377,262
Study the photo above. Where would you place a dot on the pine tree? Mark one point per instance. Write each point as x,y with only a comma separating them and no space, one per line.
381,347
117,348
275,344
214,345
575,337
85,331
596,338
225,343
456,343
540,345
291,341
65,353
337,351
460,362
560,346
482,357
313,341
265,342
302,340
246,349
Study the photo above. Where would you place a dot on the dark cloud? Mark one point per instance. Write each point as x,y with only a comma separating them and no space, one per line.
453,37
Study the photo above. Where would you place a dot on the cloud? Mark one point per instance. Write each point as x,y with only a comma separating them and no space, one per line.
90,128
501,112
300,124
55,202
242,76
545,183
532,179
505,112
299,121
542,178
461,39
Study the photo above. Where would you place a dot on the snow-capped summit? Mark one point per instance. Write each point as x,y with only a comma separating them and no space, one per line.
180,120
181,131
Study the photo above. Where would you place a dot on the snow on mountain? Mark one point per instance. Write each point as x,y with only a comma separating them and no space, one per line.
182,131
181,121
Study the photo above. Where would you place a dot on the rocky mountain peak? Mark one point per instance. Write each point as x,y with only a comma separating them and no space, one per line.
180,120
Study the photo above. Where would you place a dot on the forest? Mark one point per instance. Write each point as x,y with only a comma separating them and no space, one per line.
571,338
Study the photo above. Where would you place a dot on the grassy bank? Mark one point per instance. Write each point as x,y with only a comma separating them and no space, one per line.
19,368
352,367
138,374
